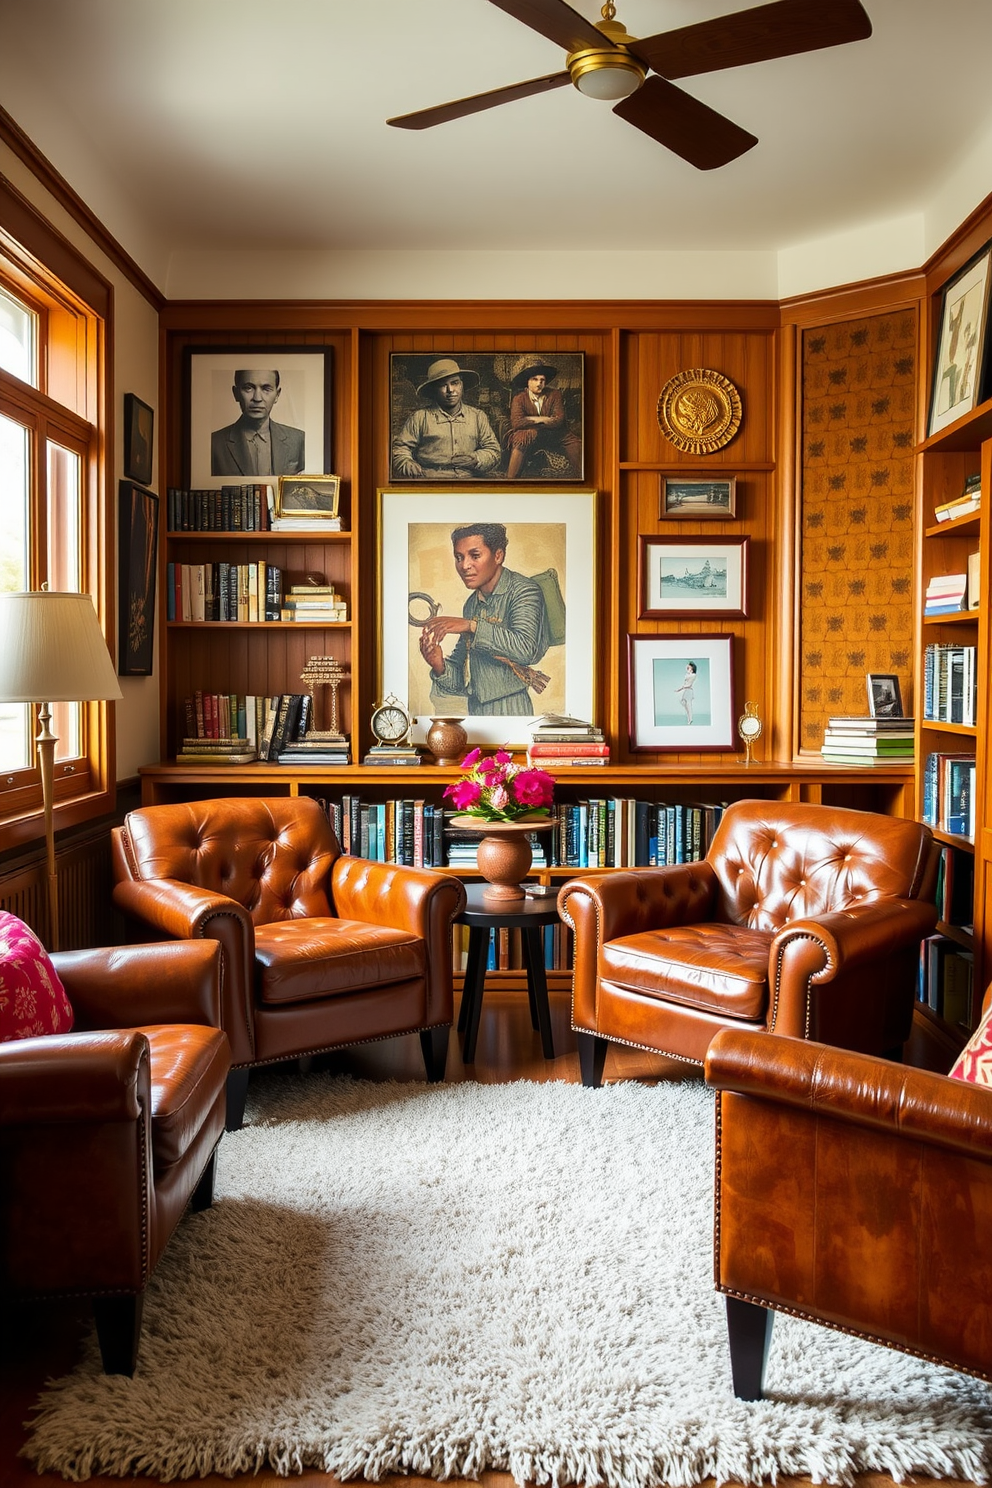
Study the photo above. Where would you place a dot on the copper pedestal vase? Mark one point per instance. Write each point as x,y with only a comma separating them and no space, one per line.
504,854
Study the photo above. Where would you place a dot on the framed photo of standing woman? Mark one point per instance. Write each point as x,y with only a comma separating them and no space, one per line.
681,692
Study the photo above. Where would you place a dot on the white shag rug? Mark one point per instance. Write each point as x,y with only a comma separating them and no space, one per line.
441,1279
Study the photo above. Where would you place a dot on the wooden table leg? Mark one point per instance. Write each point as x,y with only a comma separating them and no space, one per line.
478,943
537,983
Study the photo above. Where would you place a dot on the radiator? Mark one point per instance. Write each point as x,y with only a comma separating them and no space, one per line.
86,914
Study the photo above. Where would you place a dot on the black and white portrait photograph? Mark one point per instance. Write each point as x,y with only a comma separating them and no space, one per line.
256,414
493,416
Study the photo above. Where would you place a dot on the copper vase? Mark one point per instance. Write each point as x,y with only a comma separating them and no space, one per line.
447,741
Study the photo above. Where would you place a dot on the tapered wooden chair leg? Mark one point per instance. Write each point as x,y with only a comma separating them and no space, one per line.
434,1042
237,1095
749,1328
118,1328
592,1058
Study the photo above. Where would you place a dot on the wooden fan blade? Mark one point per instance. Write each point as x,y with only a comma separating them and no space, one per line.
782,29
427,118
684,125
557,21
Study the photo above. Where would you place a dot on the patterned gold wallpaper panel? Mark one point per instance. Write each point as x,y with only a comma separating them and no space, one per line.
856,612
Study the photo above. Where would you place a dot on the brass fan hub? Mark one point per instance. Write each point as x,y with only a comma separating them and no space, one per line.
607,72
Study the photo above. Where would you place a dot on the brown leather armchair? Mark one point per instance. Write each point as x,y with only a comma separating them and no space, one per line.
806,920
853,1192
107,1133
320,949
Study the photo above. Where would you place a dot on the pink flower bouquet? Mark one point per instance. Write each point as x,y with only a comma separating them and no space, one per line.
497,790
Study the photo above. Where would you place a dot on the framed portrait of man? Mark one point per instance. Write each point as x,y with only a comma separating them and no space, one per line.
487,416
256,413
486,607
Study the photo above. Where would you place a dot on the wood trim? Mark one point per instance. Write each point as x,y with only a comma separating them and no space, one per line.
851,301
47,176
956,250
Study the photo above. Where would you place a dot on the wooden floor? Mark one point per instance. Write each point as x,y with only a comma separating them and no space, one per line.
42,1342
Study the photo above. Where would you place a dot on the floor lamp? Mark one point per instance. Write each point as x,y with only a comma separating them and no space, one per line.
52,650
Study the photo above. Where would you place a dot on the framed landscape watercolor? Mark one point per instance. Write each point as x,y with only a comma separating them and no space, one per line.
681,692
254,413
692,577
691,496
485,607
491,416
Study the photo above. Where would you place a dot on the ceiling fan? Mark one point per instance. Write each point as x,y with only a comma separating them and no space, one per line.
605,62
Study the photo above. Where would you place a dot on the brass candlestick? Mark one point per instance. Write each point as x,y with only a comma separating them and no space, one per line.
324,671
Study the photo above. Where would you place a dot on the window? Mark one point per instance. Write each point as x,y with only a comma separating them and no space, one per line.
53,522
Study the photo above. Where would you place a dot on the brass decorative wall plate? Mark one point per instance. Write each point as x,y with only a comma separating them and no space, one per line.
699,411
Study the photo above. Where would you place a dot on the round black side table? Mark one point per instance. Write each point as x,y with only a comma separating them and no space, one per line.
529,916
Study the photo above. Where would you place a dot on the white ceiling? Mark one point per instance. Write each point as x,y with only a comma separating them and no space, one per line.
259,125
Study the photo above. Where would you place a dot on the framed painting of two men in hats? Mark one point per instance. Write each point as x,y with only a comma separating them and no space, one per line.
491,416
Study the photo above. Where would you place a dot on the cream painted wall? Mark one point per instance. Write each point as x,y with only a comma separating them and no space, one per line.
135,366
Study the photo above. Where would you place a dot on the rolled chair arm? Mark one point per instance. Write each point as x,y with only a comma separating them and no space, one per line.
392,894
808,952
185,912
83,1079
614,904
123,986
859,1089
603,906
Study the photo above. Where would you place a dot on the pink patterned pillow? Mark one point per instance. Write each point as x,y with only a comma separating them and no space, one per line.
974,1063
32,999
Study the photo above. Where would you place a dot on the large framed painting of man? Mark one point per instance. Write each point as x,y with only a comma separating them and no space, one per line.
486,416
487,608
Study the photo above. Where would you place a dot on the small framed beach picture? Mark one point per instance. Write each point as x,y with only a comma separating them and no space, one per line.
688,496
691,577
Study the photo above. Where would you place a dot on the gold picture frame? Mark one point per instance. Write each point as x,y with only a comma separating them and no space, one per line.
316,496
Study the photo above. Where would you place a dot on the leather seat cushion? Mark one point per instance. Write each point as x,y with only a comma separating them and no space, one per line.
302,960
720,968
189,1064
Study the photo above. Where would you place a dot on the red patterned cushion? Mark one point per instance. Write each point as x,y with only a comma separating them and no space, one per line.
975,1060
32,999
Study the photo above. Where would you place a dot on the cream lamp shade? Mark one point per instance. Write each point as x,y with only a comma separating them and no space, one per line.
52,650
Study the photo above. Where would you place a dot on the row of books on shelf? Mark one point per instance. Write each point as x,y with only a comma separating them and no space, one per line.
956,888
235,729
618,832
237,508
946,980
247,592
233,508
856,740
949,793
950,684
964,505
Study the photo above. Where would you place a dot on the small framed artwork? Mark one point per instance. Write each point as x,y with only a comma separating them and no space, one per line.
691,577
139,425
692,497
884,696
308,496
254,413
681,692
137,551
491,416
519,567
959,364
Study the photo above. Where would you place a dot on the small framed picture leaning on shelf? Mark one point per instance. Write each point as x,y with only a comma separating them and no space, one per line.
314,496
884,695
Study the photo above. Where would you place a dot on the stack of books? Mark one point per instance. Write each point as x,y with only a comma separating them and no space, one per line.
868,741
314,603
393,754
312,749
946,594
231,750
964,505
306,524
558,740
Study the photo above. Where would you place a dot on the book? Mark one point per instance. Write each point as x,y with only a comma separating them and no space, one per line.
556,749
866,725
218,756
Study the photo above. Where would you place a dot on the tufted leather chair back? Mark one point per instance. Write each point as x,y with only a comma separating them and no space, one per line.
778,861
273,856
